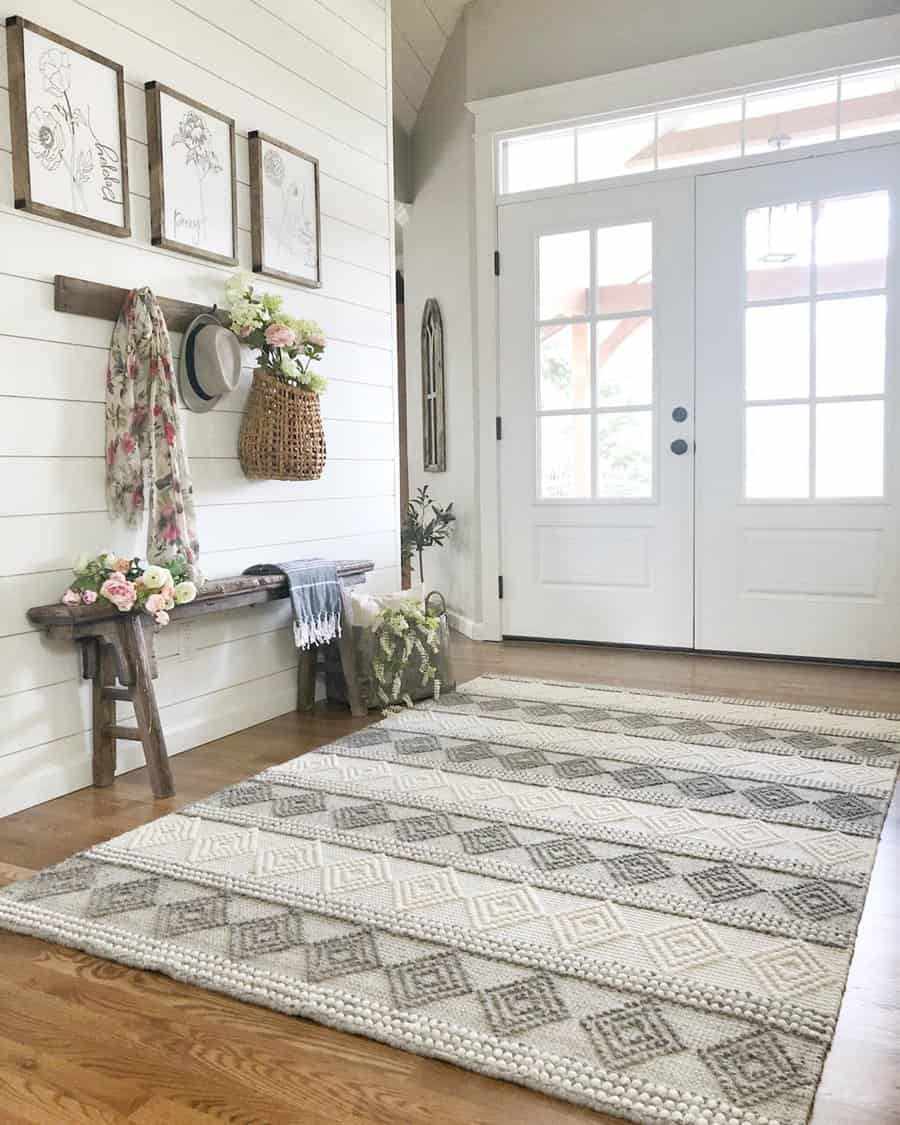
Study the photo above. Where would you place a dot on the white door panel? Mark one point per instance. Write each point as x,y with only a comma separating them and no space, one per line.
797,408
596,352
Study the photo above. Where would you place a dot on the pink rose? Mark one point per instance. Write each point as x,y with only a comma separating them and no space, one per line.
280,336
154,604
161,618
88,596
71,597
316,340
118,590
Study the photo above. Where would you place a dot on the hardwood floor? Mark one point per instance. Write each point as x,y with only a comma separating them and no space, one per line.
85,1040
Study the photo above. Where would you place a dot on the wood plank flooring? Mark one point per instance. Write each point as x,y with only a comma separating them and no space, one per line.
85,1040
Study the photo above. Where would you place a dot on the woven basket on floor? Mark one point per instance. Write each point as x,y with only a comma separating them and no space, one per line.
281,433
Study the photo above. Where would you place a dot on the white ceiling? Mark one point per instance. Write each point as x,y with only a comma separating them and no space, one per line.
419,31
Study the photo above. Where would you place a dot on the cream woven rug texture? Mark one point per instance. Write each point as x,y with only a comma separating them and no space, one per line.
640,902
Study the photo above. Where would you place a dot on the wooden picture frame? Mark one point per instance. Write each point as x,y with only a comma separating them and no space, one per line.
67,116
286,239
186,143
434,416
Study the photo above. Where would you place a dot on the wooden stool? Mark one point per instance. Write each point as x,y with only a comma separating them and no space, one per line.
117,657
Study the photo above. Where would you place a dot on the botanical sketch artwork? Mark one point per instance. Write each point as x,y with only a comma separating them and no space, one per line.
285,190
192,175
72,128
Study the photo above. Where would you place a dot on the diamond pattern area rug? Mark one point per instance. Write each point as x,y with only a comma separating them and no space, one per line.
639,902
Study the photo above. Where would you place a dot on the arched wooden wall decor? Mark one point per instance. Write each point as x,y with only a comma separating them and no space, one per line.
434,438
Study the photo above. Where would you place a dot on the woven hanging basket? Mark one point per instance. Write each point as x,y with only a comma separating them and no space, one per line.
281,434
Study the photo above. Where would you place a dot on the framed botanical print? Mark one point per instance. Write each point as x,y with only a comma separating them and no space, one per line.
67,111
193,205
284,211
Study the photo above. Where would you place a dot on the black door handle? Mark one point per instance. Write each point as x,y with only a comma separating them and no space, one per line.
679,414
679,446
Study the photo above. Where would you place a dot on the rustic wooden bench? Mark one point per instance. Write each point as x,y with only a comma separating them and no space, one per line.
117,656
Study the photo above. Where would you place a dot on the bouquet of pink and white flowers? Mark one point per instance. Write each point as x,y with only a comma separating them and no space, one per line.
130,584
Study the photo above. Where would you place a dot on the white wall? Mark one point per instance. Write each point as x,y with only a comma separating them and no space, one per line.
437,250
317,80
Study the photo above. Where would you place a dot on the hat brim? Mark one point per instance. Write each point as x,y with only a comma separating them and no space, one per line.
191,399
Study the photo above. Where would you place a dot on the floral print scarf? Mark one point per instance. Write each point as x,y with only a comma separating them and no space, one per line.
144,447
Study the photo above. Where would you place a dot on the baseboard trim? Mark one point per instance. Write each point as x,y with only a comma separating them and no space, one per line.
474,630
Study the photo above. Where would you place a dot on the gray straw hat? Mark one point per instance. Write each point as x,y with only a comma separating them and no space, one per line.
210,364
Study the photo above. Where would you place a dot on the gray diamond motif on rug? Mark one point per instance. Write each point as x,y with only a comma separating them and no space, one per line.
299,804
337,956
543,710
750,734
805,741
487,838
637,867
578,767
816,900
639,777
873,748
61,880
116,898
470,752
845,806
552,855
373,737
273,934
585,715
421,744
247,793
523,760
773,797
437,977
523,1005
692,726
176,918
497,704
424,827
640,722
633,1034
703,786
362,816
753,1068
456,699
721,884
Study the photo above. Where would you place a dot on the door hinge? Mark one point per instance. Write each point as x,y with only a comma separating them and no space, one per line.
496,263
499,428
500,586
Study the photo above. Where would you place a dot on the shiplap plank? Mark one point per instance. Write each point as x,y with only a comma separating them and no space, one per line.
409,72
145,59
296,53
311,18
446,12
405,113
363,15
422,31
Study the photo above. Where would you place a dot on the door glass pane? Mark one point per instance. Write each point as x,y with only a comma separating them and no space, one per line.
616,148
625,455
800,115
625,362
538,161
625,268
850,349
870,103
778,251
565,351
696,133
565,442
852,243
850,449
564,272
776,342
777,452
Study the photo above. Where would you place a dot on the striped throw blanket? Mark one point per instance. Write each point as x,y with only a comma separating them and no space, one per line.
315,592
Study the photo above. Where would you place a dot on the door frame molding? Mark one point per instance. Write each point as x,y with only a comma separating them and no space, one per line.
697,76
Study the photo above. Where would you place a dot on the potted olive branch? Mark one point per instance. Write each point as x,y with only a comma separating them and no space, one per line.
426,524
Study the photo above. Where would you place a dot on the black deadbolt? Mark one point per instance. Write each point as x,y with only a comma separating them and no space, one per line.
679,446
679,414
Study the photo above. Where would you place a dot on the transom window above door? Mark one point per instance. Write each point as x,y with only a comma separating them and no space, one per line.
594,363
814,348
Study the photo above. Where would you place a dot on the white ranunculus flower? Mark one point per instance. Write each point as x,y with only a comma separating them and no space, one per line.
184,592
81,563
107,559
155,577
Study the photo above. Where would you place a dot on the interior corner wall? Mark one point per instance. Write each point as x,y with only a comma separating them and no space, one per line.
522,44
316,80
438,250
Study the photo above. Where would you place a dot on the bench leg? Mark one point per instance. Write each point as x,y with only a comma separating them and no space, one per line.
103,674
306,679
144,699
348,658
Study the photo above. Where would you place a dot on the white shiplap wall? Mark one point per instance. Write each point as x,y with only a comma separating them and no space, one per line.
316,74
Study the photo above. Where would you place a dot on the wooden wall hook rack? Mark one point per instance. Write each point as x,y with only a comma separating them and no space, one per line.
93,298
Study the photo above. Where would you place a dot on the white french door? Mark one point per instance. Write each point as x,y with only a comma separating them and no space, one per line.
596,300
792,270
797,356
